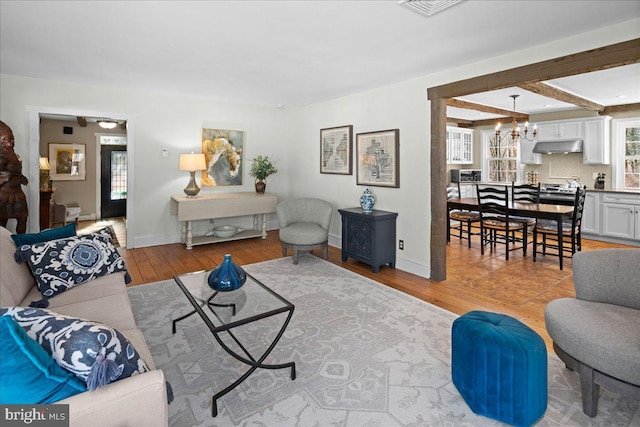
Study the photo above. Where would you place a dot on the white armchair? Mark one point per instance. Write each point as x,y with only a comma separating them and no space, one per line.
66,212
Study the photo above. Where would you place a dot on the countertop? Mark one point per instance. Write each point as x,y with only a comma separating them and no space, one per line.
589,189
613,190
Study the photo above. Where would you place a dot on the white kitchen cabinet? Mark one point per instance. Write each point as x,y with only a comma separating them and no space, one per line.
591,214
467,190
621,215
596,141
459,146
527,156
554,131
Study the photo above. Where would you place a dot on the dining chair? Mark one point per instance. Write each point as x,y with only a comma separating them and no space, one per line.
464,220
525,193
495,222
571,232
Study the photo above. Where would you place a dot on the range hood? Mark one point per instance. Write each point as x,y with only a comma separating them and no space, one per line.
563,146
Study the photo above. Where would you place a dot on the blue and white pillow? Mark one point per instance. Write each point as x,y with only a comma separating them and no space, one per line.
95,353
59,265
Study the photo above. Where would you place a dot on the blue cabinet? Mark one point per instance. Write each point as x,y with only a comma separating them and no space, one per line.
369,237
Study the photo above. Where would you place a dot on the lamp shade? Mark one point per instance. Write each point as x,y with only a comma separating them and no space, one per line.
192,162
44,164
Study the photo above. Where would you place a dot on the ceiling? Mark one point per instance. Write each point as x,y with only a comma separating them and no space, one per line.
293,53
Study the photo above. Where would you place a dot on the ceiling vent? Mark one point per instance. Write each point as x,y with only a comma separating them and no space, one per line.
428,7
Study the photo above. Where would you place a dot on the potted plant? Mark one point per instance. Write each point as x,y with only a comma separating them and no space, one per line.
261,168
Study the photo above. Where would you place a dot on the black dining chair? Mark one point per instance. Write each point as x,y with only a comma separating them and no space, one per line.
571,232
463,221
525,193
496,225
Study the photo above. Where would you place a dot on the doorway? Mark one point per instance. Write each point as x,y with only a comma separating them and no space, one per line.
113,181
35,115
615,55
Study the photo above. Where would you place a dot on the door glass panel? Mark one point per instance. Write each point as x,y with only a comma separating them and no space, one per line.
118,175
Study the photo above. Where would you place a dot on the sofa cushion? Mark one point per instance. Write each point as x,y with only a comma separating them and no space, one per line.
61,264
303,233
29,373
95,353
112,284
603,336
113,310
68,230
15,279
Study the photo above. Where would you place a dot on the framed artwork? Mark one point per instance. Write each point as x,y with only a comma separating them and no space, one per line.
336,146
223,153
378,158
68,162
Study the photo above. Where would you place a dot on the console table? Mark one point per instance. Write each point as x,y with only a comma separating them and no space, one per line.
369,237
223,205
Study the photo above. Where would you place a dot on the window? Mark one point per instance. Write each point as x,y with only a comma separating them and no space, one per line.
626,154
501,162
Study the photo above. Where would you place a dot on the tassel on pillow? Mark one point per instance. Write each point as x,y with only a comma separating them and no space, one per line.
20,256
102,372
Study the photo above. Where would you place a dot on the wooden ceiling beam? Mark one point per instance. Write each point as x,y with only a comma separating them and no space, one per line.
493,122
548,91
459,103
461,122
620,108
82,121
602,58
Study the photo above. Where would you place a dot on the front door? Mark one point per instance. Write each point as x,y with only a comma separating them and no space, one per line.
113,181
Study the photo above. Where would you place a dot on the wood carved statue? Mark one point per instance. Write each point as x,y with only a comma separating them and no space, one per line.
13,202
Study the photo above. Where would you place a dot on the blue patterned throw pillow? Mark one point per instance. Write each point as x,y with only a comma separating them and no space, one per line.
95,353
59,265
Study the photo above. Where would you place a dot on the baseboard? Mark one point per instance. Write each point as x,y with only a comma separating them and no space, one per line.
87,217
610,239
404,264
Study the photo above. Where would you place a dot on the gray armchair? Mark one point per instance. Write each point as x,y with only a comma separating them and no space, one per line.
304,225
597,334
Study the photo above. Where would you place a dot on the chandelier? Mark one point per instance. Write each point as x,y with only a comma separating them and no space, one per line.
515,133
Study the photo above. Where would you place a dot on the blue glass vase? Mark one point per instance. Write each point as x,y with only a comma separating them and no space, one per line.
227,276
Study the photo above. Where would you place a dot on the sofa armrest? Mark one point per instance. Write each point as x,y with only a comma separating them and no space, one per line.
609,276
140,400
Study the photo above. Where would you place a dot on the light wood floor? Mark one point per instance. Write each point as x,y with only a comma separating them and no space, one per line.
518,287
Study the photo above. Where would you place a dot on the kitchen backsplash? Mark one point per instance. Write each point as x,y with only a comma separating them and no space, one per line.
557,168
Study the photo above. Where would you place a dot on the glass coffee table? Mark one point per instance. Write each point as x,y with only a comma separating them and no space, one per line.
224,311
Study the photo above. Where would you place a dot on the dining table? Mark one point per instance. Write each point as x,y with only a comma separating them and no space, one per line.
556,213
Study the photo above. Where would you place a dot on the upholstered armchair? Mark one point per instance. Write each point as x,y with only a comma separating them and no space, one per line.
304,225
597,334
66,212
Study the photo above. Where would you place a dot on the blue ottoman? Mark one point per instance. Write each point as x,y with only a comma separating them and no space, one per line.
499,366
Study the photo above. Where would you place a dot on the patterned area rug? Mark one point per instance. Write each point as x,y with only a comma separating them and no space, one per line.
366,355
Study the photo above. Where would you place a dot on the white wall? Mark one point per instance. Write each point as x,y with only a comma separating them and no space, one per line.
291,136
160,121
405,106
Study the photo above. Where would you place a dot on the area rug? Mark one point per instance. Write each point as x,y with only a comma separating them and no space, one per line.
366,355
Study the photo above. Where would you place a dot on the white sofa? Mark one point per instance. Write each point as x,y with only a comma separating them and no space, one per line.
140,400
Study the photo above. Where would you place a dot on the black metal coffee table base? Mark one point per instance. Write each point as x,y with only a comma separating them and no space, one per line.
247,358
